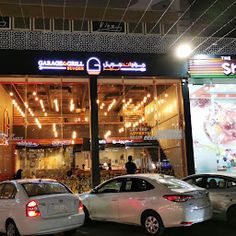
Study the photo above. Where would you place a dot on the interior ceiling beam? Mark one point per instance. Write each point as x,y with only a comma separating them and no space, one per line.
78,13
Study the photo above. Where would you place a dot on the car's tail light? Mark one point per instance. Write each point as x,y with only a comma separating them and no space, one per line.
81,207
32,209
178,198
186,223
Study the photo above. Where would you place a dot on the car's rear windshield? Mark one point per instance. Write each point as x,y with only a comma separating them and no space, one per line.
44,188
173,183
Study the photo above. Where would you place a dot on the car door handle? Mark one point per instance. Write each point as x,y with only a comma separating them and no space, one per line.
114,200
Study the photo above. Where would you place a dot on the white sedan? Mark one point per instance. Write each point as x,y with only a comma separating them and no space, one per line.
151,200
37,207
222,192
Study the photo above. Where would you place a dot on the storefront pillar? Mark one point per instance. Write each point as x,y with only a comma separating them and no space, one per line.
94,144
188,129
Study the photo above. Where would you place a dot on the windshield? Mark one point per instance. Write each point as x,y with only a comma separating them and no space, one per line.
45,188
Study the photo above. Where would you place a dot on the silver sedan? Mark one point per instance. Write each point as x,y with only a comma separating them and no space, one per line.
222,192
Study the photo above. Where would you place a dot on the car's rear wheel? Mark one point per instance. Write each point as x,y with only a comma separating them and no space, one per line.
152,223
231,216
11,229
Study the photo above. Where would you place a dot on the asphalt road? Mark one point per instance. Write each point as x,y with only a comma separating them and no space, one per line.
213,228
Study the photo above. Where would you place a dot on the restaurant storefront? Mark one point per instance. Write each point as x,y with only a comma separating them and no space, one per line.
212,91
88,112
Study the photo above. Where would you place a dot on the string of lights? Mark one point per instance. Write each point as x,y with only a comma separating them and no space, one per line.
227,23
211,23
84,14
163,14
137,24
192,24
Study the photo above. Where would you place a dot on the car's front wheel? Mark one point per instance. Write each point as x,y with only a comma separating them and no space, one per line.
152,223
11,229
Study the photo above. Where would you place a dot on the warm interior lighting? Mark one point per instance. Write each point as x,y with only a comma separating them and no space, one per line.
56,105
11,94
54,127
26,104
107,134
74,135
72,105
38,123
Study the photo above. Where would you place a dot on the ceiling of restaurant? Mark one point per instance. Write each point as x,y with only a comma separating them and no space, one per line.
206,18
115,94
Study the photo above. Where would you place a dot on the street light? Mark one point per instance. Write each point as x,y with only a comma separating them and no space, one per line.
183,51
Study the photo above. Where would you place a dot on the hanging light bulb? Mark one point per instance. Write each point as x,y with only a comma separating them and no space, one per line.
56,105
11,94
74,135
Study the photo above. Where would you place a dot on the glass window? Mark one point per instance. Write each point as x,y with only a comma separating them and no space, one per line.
199,181
231,184
22,23
141,119
137,185
113,186
173,183
79,25
135,28
45,188
42,24
216,182
5,22
152,28
170,29
62,25
8,191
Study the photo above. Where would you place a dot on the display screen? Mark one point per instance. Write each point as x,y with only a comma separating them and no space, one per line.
213,116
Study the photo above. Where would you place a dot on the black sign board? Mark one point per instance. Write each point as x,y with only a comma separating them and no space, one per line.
42,63
107,26
5,22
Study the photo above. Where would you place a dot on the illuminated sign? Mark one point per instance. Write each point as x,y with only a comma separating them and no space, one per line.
93,66
229,68
27,144
60,65
203,66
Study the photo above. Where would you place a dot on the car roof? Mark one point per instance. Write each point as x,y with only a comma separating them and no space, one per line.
224,174
149,176
22,181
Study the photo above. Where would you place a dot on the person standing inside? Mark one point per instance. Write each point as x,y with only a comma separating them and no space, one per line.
130,166
18,174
